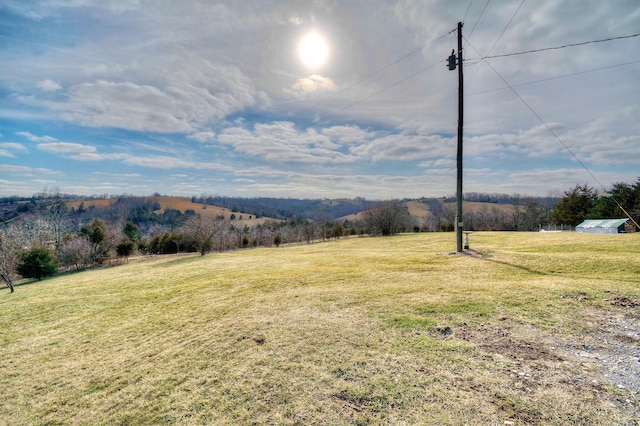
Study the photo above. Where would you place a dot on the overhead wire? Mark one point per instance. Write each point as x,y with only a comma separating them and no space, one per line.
390,86
552,78
497,40
555,135
376,72
506,26
467,11
479,17
557,47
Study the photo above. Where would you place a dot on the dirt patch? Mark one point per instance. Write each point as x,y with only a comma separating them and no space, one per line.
500,340
580,296
626,301
604,360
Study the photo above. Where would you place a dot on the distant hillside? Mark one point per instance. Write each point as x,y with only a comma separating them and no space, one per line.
181,204
289,208
260,209
422,208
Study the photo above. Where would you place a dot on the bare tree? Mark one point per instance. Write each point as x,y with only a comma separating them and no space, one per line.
387,219
76,251
9,254
36,230
201,230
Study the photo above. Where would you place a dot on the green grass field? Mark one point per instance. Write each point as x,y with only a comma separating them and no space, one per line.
361,331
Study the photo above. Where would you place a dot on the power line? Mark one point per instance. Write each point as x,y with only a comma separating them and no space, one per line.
379,70
390,86
465,13
497,40
544,123
478,20
506,26
555,78
557,47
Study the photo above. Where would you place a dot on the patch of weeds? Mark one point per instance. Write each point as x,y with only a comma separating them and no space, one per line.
339,372
448,348
580,296
406,322
515,407
363,420
475,309
354,373
364,397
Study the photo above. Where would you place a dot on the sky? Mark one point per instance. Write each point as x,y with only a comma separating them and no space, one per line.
316,98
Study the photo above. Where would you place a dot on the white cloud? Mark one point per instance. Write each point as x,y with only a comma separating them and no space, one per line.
65,148
194,94
165,162
34,138
227,75
6,149
281,142
348,134
314,83
8,168
202,136
405,146
48,85
13,145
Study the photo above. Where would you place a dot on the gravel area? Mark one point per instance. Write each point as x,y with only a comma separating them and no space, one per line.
604,359
611,354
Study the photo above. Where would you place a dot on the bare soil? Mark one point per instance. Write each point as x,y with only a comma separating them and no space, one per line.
602,358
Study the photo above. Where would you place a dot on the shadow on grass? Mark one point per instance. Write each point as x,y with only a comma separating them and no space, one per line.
185,258
27,281
481,256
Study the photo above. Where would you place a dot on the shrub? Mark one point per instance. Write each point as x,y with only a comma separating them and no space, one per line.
167,243
125,248
37,263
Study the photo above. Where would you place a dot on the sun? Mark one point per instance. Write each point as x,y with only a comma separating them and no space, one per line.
313,50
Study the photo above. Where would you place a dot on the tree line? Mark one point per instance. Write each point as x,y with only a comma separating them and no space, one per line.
584,202
49,237
46,236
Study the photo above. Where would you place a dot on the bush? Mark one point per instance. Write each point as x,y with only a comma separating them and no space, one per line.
37,263
125,248
167,243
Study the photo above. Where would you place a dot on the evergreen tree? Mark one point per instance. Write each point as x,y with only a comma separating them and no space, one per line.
37,263
575,206
132,231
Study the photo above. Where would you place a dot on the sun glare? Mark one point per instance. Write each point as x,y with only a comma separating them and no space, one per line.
313,50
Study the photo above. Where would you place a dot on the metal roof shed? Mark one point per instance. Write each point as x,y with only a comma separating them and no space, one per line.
602,226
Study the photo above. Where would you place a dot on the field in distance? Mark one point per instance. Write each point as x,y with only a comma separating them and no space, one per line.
527,328
178,203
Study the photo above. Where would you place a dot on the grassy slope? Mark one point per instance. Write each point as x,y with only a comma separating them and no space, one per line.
420,210
358,331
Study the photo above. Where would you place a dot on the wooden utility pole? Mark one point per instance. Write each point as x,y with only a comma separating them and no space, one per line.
459,224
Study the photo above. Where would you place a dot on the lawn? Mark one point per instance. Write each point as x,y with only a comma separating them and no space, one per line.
527,328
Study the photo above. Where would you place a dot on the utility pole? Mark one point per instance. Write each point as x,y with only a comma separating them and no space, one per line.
452,66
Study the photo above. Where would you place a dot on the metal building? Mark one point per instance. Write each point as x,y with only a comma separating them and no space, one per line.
603,226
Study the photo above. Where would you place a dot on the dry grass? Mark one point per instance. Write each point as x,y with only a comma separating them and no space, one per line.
359,331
